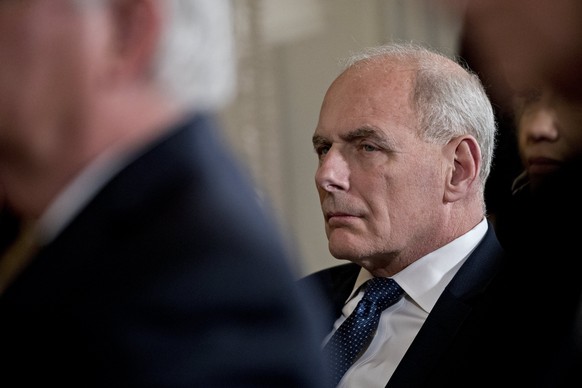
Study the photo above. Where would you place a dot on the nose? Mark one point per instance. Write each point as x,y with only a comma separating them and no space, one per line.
333,172
542,126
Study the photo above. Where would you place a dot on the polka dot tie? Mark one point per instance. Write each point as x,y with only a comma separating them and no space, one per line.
356,332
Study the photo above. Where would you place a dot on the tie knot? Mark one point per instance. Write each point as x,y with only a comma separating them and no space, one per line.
382,292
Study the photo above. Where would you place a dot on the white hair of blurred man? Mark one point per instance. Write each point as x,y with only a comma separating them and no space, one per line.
196,61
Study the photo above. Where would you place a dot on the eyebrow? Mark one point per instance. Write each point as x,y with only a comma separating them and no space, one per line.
365,132
318,140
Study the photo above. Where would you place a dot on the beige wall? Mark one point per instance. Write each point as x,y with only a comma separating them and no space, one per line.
289,53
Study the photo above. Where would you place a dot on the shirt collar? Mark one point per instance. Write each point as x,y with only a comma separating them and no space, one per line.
425,280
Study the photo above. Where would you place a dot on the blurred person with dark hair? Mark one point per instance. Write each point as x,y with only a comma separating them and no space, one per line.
525,41
150,260
534,53
539,229
549,136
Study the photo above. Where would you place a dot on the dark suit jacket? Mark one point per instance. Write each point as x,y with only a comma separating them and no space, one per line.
453,347
172,276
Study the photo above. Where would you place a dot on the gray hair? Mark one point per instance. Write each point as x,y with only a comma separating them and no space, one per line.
449,99
196,61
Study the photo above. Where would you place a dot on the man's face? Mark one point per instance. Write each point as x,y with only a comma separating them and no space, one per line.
45,72
379,184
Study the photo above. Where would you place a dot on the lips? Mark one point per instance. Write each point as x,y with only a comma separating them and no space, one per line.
331,215
336,214
337,219
542,165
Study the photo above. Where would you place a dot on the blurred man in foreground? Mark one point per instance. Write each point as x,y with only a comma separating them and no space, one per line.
149,260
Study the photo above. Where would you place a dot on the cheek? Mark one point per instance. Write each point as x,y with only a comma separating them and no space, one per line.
55,76
425,174
20,66
422,191
569,121
522,137
574,143
43,71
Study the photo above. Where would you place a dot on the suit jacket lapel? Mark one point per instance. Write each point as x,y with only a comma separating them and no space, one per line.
335,285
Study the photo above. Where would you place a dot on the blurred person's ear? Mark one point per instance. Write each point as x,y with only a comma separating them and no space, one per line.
465,157
137,26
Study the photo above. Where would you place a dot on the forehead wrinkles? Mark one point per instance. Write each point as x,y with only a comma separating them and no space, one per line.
376,95
387,83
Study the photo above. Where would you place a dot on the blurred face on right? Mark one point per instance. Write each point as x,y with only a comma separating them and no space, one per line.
549,129
526,39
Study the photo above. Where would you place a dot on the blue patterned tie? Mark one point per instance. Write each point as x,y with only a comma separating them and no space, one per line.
355,333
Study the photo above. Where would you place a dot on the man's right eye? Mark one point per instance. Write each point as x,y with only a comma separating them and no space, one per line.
321,150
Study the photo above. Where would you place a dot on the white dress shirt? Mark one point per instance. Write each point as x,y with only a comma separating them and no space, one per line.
423,282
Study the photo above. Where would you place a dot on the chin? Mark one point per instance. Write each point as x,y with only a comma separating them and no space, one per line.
343,253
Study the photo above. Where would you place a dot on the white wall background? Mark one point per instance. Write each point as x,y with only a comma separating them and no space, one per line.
289,52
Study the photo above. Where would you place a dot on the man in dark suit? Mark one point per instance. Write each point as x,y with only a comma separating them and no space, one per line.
405,139
152,262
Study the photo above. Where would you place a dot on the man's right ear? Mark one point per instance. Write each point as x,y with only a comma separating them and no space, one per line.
465,166
138,26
